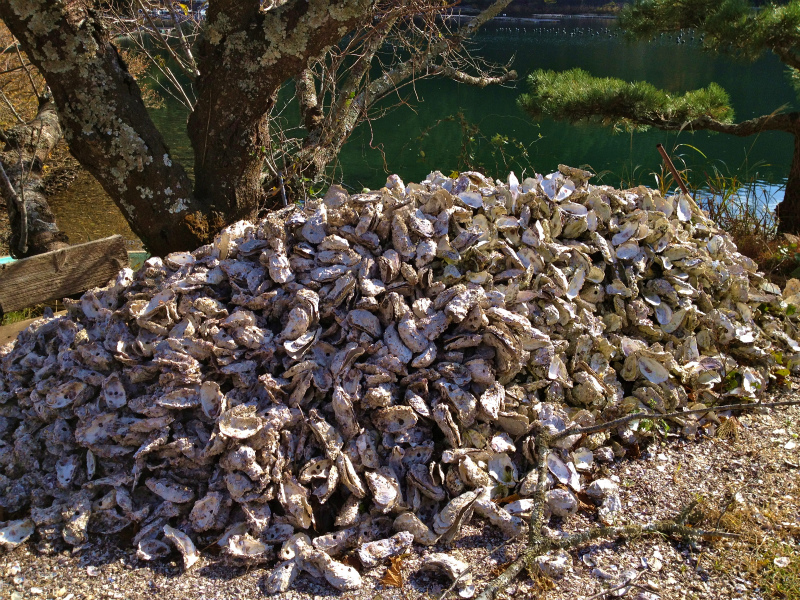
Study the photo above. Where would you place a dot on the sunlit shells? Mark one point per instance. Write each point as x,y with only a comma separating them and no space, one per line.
454,569
169,490
558,468
372,554
357,371
652,370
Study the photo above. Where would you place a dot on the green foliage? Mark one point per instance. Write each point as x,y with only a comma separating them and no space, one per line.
575,95
729,26
17,316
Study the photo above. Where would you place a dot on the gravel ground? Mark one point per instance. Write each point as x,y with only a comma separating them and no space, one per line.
753,481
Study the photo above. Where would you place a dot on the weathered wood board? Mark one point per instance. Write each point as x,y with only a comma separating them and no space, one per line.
60,273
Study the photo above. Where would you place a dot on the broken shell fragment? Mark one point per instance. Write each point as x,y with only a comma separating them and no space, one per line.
372,553
16,532
184,545
454,569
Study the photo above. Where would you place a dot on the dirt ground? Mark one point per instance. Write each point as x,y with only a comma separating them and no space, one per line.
749,485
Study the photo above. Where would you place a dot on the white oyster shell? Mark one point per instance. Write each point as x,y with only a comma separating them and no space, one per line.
184,545
454,569
16,532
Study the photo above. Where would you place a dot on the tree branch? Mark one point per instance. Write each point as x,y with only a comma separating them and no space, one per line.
788,56
33,226
787,122
191,64
187,70
11,107
306,91
416,64
640,416
478,81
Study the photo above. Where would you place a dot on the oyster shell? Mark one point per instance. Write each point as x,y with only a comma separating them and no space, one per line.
184,544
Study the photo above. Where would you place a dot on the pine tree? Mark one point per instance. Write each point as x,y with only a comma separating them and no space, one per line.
730,27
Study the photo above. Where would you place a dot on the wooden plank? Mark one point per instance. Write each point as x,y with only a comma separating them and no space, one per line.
60,273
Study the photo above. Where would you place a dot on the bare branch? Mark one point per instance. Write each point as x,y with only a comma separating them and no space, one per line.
416,64
11,107
471,566
166,72
192,64
27,72
479,81
639,416
187,70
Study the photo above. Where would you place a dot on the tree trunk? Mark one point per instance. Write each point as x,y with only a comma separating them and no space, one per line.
33,226
106,123
244,61
788,210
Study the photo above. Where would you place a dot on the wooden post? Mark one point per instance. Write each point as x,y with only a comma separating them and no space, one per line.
672,169
60,273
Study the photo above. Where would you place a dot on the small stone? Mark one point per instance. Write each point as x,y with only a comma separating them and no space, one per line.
36,591
588,560
790,445
655,563
16,596
553,566
583,459
604,454
608,509
601,488
562,503
782,562
92,571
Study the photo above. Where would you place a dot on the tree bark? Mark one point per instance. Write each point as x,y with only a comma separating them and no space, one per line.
245,56
33,226
788,210
105,121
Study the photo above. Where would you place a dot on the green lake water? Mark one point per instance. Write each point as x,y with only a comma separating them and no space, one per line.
397,143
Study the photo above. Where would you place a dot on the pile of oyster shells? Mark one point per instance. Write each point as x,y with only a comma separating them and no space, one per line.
364,372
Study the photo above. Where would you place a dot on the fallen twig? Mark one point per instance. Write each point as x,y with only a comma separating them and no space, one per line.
641,416
473,564
624,584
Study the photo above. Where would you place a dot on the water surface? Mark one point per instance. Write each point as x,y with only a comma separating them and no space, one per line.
414,139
